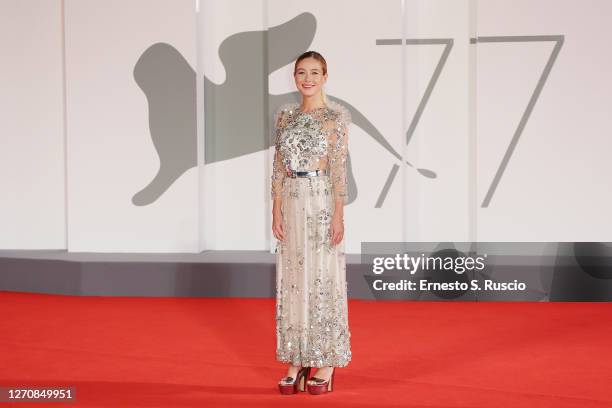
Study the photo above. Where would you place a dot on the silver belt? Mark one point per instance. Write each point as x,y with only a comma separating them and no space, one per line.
312,173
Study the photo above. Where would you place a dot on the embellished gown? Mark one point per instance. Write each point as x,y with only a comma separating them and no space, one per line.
311,289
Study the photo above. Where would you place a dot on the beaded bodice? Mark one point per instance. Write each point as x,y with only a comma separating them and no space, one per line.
312,140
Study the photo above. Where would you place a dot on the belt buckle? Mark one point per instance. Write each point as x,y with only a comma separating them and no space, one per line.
310,173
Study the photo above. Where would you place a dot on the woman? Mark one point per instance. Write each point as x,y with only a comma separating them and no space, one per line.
309,189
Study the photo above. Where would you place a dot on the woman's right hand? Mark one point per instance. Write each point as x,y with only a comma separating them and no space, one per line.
277,227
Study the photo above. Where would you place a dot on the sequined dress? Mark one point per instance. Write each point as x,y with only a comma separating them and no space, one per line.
311,289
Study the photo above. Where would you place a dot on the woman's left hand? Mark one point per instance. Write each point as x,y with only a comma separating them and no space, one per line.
336,230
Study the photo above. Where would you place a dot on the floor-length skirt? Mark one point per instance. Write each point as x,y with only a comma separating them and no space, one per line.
311,290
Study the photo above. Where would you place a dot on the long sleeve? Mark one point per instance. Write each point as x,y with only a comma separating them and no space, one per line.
338,152
278,168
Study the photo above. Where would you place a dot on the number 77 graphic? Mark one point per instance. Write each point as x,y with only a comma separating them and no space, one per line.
558,39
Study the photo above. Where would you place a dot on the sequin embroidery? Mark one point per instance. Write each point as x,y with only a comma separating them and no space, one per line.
311,290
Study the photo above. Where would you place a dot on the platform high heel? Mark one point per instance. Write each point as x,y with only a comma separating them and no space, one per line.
318,386
289,385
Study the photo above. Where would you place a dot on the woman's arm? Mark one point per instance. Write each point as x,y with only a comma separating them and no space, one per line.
338,152
278,176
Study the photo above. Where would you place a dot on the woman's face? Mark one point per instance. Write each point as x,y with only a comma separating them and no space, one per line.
309,76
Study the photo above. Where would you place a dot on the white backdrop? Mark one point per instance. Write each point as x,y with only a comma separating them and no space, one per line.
110,155
553,188
32,201
556,185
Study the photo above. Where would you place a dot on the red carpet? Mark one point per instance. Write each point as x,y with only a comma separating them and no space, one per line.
168,352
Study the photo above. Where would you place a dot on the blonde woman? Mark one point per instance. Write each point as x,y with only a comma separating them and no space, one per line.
309,188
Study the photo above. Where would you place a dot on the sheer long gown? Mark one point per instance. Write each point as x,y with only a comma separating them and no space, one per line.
311,290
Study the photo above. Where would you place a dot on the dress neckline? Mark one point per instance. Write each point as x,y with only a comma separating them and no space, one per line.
299,109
